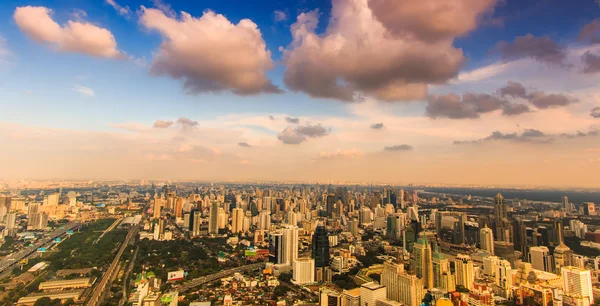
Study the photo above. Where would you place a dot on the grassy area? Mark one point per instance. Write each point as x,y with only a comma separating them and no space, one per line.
77,251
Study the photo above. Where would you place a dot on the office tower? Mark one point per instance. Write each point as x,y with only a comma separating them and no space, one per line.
320,247
501,219
156,208
276,248
589,208
353,227
303,271
351,297
395,225
464,271
401,286
365,216
264,221
213,218
290,244
370,293
540,258
415,197
423,261
577,286
441,270
330,205
237,219
565,204
413,213
486,239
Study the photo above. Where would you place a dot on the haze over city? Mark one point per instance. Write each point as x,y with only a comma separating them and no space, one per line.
473,92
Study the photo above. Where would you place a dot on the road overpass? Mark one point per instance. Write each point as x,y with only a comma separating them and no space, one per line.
213,277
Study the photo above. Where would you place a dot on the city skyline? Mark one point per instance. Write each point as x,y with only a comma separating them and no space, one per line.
505,93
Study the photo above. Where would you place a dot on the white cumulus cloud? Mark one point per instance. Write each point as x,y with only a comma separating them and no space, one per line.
209,53
75,36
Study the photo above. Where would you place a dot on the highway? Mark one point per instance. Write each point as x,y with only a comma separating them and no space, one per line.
213,277
101,287
14,258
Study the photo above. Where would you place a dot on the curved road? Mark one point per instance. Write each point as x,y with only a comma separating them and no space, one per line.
213,277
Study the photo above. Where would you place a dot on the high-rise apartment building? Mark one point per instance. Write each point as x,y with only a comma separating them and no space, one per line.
237,220
213,218
290,244
465,273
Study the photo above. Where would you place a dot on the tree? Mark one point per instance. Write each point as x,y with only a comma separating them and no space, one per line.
45,301
280,291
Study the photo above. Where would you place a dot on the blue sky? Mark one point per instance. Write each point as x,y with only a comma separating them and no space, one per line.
39,82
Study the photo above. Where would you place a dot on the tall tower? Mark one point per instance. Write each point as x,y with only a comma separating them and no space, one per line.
237,218
320,247
502,224
213,219
464,271
441,270
565,204
486,239
290,244
423,261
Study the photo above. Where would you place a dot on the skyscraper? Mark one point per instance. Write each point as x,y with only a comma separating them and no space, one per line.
540,258
464,271
157,207
237,219
330,205
423,261
213,218
320,246
290,244
565,204
501,219
442,276
486,239
577,286
276,248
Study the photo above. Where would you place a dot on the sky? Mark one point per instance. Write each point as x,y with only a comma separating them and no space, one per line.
481,92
